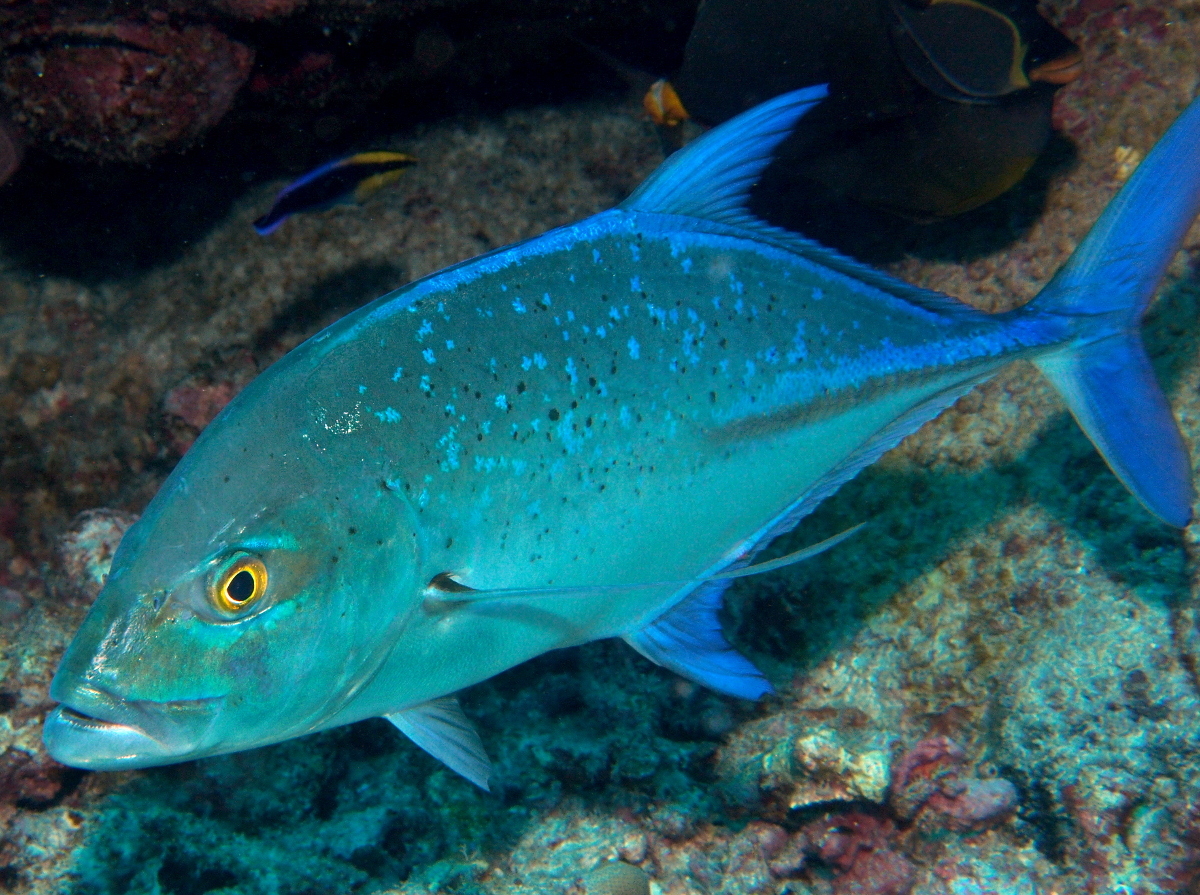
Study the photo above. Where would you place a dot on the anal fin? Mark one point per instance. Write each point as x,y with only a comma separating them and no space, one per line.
441,729
688,640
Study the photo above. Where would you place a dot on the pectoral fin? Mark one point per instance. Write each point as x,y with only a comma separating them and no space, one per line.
441,729
445,589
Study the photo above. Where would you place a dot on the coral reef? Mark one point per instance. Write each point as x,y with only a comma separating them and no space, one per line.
928,785
123,90
128,82
996,693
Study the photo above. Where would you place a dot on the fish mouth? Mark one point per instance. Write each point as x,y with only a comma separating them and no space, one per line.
1061,70
97,731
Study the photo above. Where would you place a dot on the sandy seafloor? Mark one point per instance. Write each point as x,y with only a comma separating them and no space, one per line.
1009,596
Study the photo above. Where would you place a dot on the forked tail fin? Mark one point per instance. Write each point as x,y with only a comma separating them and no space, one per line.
1104,375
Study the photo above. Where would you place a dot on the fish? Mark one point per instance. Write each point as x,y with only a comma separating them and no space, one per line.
663,105
354,178
936,108
585,435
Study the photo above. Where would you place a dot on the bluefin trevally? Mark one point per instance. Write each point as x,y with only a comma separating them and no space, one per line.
572,438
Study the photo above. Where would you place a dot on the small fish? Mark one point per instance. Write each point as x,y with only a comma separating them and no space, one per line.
581,436
936,106
351,179
663,105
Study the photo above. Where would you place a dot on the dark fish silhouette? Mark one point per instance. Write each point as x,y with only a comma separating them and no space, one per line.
935,107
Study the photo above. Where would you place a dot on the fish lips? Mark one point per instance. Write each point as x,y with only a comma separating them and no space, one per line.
97,731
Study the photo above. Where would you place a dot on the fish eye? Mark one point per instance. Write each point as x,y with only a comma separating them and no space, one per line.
239,582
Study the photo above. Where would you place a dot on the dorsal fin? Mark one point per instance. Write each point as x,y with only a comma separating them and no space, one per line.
711,178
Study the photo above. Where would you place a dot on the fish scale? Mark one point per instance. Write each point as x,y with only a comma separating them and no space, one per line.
578,402
577,437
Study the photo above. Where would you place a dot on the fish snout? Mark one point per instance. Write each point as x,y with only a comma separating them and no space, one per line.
99,731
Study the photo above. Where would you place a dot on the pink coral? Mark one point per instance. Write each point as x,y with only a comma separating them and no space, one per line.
86,550
858,846
196,404
258,9
930,784
124,90
972,804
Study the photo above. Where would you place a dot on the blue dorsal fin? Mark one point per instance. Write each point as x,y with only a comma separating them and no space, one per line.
711,178
688,640
441,729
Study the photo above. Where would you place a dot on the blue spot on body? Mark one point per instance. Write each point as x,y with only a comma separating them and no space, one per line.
635,284
388,416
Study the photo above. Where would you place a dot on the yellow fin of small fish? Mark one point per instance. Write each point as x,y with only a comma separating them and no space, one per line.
380,157
371,185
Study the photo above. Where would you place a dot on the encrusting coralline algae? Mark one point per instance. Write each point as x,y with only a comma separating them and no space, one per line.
1011,622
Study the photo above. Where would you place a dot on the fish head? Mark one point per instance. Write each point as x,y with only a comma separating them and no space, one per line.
256,595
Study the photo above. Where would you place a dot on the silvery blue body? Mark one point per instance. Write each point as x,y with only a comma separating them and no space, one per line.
644,398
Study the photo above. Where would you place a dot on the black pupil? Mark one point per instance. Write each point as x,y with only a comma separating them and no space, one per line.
240,587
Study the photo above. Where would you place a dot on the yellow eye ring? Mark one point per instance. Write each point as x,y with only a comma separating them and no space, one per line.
241,582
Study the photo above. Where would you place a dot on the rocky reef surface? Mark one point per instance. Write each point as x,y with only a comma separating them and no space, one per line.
95,81
1000,694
